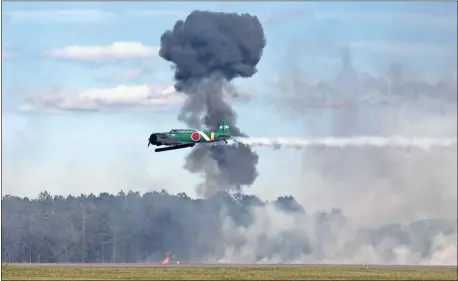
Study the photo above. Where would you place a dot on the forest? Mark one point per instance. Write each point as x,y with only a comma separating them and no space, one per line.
226,227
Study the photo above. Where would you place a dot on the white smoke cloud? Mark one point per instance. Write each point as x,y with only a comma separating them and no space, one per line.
277,236
445,250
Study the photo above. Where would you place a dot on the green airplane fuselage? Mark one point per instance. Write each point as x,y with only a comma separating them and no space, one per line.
185,136
189,137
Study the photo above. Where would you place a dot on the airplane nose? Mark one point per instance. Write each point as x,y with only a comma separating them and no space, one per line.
152,139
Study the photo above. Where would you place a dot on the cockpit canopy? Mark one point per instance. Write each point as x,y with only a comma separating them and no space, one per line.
176,131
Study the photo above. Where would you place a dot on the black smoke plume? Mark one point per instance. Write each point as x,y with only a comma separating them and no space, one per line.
208,50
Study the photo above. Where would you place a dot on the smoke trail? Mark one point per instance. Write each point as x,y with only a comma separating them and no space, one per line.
396,141
209,50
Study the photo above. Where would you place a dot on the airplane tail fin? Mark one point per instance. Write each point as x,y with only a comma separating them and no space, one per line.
223,128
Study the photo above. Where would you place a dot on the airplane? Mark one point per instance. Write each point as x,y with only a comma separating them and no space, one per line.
183,138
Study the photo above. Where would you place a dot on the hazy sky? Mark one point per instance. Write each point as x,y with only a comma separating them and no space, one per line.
83,86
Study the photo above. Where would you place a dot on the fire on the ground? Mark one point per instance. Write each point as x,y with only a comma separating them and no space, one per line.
169,256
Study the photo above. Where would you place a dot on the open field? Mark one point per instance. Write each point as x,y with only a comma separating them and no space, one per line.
221,271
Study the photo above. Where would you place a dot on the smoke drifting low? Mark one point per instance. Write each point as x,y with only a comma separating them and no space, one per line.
209,50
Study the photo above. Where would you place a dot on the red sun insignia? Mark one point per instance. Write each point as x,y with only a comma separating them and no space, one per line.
195,136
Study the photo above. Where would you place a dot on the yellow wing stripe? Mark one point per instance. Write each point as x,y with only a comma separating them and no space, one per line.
213,136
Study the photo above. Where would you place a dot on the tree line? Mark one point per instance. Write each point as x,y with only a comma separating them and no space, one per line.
133,228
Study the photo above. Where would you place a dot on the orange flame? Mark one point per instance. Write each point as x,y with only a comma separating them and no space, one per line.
169,256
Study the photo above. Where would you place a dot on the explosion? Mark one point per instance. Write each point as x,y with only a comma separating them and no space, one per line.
209,50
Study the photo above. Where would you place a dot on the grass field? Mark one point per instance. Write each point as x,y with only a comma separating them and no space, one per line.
9,273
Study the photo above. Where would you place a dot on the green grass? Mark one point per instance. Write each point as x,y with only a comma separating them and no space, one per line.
14,273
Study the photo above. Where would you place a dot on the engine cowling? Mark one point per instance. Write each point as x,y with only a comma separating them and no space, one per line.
153,140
